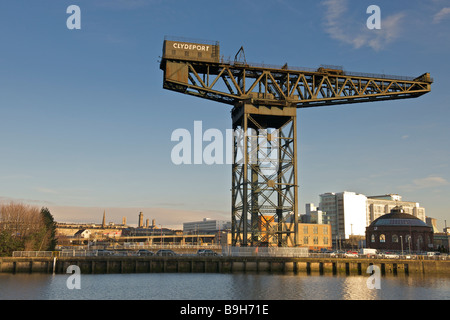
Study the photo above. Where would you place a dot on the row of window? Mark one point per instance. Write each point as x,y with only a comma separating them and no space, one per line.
315,240
315,230
395,238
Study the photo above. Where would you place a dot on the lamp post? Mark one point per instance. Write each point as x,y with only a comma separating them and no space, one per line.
401,243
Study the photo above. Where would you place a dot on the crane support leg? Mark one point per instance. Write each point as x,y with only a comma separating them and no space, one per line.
264,176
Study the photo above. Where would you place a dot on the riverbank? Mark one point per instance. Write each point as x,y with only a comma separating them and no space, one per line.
220,264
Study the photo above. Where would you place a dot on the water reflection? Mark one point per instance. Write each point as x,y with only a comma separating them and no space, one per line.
243,286
355,288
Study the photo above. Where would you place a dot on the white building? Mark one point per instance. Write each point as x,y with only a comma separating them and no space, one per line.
346,212
381,205
350,213
314,215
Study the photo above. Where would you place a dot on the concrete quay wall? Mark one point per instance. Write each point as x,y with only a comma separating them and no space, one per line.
196,264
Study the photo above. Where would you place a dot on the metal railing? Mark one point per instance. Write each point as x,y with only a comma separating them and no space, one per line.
227,251
264,252
398,256
32,254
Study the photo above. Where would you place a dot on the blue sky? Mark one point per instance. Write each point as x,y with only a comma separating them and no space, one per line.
86,126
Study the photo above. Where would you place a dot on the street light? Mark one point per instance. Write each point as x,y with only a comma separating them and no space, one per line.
401,243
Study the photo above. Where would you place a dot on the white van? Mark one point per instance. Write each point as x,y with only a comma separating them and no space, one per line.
368,252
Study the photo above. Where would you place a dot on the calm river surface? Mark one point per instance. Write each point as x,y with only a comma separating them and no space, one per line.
182,286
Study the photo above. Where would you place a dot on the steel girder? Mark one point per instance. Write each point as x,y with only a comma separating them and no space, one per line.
231,83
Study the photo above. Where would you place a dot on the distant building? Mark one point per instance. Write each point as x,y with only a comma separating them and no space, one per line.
83,233
380,205
206,226
150,231
314,215
441,241
432,223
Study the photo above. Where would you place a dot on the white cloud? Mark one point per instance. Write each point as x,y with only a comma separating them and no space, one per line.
426,183
438,17
344,27
430,182
46,190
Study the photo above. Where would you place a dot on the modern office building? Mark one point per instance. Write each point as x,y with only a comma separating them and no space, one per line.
346,213
383,204
350,213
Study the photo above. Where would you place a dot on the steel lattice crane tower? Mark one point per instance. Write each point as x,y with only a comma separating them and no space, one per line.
265,99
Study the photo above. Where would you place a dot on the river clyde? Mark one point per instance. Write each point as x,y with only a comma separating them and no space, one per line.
216,286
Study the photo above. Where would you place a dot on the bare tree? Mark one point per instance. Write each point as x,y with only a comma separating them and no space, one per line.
29,228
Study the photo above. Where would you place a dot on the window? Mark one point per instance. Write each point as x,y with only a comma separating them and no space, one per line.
372,238
305,229
325,240
305,240
186,53
394,238
408,238
382,238
325,230
316,240
315,230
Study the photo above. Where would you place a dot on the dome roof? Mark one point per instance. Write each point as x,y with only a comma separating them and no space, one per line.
398,218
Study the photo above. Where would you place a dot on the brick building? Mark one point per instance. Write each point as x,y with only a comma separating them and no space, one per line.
398,231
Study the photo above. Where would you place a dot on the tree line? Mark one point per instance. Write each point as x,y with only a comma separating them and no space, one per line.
26,228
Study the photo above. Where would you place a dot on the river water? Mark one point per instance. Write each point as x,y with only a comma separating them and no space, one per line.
206,286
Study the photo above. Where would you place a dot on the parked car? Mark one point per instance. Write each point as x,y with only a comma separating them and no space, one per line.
336,254
390,255
143,252
206,252
104,253
351,254
165,253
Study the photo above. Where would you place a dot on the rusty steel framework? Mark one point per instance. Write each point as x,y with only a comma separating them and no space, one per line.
265,99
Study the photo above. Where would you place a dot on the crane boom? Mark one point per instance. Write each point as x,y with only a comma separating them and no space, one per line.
233,81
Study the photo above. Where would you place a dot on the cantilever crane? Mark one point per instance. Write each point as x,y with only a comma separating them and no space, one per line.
265,100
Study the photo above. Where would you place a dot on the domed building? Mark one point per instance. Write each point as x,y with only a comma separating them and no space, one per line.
398,231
